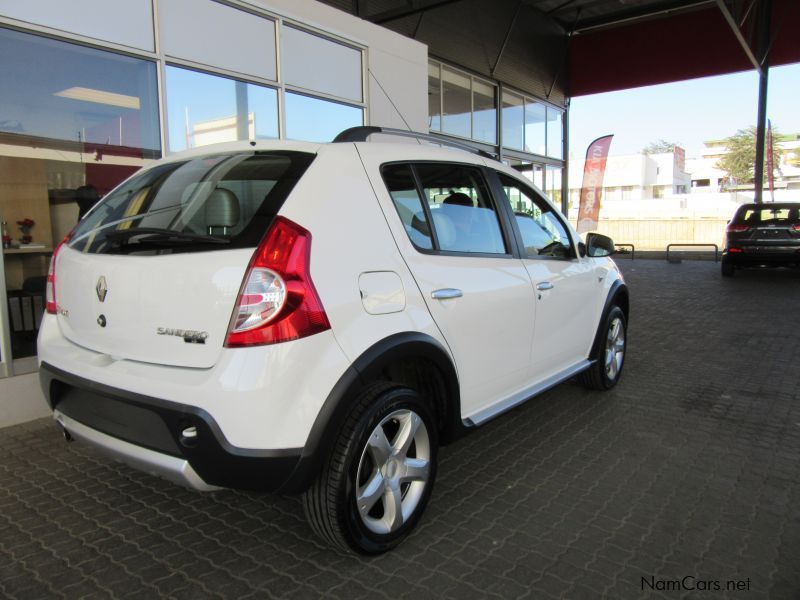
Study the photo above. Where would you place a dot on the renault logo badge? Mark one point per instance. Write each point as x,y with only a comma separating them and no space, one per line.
101,289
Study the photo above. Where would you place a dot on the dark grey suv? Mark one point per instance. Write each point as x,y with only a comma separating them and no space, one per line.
762,235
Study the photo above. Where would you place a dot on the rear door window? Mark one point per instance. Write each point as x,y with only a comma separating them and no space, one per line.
206,203
446,207
399,181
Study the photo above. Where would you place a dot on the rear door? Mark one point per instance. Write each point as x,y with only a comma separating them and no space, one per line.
477,291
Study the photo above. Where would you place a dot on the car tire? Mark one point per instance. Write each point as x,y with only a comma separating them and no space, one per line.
609,357
727,268
375,483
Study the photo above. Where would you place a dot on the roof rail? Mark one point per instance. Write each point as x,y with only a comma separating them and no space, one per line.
360,134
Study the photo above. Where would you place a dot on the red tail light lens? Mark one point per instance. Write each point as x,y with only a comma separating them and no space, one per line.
734,250
277,301
737,228
796,227
50,290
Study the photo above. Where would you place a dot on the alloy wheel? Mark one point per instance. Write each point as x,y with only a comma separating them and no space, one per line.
615,348
393,471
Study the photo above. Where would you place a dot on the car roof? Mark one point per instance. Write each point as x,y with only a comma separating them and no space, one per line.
243,146
769,205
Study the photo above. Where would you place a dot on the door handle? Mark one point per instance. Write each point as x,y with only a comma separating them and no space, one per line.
544,286
446,293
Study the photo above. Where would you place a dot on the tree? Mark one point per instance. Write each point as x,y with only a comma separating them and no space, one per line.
659,147
740,160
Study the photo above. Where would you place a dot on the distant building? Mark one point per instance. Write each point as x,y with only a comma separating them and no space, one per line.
637,176
707,177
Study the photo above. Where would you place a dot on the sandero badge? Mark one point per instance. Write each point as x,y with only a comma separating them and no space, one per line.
190,336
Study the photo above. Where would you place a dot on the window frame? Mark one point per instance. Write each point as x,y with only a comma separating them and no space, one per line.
499,193
509,235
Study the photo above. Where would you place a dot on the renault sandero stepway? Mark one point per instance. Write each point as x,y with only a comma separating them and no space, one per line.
320,319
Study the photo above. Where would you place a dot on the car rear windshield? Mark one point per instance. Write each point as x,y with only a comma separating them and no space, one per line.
213,202
780,214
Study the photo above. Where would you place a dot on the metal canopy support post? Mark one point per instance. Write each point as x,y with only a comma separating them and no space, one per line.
758,179
565,168
765,28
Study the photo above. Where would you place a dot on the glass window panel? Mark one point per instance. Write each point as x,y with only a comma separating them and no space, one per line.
535,126
400,183
555,133
207,109
321,65
434,97
221,36
538,176
317,120
457,103
533,172
463,216
128,22
513,119
553,184
68,92
484,116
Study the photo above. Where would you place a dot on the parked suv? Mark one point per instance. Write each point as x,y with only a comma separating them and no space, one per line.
762,235
298,317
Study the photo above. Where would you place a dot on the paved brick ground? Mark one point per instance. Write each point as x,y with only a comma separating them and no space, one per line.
688,468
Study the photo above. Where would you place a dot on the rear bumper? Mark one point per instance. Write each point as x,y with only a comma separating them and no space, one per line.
763,255
174,469
146,433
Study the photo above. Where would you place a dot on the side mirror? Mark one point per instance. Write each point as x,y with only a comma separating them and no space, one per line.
582,249
598,245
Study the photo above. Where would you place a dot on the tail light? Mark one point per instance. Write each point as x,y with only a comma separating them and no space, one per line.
796,227
737,228
277,301
50,290
734,250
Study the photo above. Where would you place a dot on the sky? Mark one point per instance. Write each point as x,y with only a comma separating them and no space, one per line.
686,112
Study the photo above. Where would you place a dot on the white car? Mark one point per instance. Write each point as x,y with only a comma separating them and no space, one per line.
320,318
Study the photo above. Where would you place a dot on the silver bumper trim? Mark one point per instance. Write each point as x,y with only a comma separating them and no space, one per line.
168,467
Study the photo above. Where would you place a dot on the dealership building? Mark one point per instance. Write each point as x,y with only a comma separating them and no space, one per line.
95,89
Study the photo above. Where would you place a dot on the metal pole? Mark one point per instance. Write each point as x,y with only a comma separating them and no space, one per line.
6,357
758,180
565,156
765,29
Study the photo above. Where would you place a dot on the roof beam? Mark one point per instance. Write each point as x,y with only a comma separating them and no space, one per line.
401,13
506,38
723,8
638,14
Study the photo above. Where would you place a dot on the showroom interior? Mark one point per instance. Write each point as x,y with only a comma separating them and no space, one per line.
92,94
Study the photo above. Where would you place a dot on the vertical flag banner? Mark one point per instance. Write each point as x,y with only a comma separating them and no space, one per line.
592,189
770,166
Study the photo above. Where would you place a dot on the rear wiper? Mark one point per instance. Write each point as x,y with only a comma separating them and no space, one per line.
156,234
